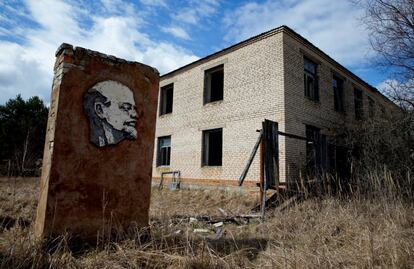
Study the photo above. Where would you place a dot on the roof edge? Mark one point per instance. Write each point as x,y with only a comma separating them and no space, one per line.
292,33
227,50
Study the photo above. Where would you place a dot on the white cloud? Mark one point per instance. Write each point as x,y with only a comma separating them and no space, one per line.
27,67
118,7
187,16
402,93
387,85
333,26
176,31
154,3
391,86
160,55
196,11
20,74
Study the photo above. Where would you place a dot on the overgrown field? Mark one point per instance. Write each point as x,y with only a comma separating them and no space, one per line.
315,233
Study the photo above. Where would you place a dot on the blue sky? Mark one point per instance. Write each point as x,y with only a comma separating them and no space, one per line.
166,34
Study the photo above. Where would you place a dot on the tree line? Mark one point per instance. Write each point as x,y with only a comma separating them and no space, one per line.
22,136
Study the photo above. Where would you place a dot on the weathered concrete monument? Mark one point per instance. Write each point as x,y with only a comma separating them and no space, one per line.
96,175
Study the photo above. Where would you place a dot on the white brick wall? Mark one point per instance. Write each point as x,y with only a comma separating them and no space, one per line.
301,111
253,91
263,79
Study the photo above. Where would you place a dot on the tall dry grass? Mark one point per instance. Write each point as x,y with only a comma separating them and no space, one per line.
319,232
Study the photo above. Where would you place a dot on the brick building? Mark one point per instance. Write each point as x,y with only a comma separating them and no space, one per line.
209,110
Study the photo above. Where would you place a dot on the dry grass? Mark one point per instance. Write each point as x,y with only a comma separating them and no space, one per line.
316,233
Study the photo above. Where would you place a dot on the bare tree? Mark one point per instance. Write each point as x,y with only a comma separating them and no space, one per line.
391,27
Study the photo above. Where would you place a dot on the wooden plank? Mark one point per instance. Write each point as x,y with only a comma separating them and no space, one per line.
263,184
295,136
271,153
276,155
161,181
250,160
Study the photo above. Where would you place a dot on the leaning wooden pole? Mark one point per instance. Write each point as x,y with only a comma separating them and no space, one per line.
262,181
250,160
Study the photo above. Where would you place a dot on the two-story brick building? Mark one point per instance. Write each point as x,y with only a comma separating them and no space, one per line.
209,110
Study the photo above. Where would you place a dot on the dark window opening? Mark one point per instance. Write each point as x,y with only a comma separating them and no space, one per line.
324,154
311,80
383,111
313,156
371,107
332,158
338,88
166,99
342,167
164,150
338,163
358,103
212,147
213,84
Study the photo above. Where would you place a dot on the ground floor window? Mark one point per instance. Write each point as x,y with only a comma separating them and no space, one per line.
212,147
312,152
326,154
164,150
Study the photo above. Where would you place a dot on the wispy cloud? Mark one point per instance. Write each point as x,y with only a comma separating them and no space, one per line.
161,3
164,33
26,67
333,26
187,16
176,31
195,11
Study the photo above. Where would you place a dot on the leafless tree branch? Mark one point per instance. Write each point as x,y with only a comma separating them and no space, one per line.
391,28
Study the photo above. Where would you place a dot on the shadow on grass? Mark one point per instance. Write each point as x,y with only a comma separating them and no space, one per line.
7,222
251,247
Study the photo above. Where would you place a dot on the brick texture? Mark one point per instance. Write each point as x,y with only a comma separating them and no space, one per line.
263,79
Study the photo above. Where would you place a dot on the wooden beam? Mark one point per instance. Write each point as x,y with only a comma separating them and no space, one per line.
295,136
250,160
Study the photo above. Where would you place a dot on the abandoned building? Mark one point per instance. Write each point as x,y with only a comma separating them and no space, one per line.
210,110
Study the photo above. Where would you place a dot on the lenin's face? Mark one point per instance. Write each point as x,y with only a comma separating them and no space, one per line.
119,109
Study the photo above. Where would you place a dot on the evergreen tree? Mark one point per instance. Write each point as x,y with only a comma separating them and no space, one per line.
22,133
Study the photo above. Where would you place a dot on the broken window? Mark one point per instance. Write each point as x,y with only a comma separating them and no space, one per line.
212,147
371,107
343,168
338,88
338,160
166,99
358,104
312,147
311,80
213,84
164,150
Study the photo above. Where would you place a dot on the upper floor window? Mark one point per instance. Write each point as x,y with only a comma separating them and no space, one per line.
338,88
166,99
164,150
358,104
311,80
212,147
213,84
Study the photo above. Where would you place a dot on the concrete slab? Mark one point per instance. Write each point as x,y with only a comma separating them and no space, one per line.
96,174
